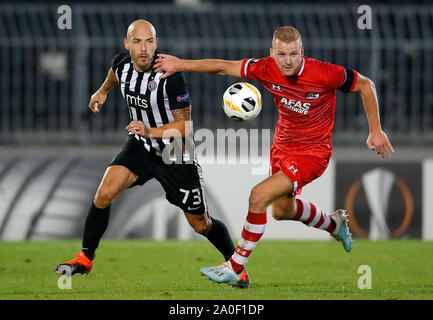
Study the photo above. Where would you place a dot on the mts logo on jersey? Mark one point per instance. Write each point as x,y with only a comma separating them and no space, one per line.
136,100
296,106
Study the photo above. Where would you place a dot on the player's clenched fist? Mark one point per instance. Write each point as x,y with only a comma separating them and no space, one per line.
96,101
138,127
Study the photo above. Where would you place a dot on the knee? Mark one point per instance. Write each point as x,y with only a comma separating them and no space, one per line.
257,198
104,197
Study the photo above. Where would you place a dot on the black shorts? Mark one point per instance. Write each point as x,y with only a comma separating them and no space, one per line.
182,183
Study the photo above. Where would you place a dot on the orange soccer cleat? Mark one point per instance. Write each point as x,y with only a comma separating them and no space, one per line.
81,264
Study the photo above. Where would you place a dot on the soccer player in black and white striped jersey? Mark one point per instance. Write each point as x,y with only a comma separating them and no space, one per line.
160,111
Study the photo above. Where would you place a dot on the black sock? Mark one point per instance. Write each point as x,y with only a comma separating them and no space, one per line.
219,236
96,224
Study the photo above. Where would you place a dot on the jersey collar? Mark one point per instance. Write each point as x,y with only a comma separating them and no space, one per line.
302,67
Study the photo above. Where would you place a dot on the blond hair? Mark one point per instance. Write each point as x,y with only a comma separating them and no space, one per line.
286,34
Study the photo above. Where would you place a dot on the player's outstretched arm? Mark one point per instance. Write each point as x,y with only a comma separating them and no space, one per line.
172,64
377,139
98,98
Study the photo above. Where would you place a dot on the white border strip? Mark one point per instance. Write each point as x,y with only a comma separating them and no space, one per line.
427,205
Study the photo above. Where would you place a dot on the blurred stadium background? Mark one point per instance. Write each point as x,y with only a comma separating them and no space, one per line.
53,150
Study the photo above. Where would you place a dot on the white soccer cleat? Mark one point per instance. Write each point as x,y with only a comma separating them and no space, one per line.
342,232
224,273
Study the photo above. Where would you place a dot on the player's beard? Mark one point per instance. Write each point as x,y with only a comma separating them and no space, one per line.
145,66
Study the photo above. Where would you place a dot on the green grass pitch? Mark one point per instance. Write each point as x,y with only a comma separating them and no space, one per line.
169,270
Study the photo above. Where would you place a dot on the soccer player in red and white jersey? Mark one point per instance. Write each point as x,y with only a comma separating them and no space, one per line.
304,91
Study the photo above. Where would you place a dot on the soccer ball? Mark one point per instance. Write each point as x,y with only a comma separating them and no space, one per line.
242,102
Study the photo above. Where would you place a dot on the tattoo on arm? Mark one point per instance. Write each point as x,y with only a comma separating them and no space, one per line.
182,114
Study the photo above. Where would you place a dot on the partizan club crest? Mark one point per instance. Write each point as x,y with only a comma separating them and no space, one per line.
152,85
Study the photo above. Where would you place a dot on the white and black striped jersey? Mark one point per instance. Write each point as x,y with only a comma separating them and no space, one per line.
151,100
